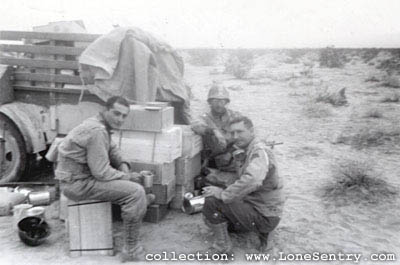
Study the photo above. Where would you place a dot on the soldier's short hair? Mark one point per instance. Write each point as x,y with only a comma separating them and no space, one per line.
246,121
116,99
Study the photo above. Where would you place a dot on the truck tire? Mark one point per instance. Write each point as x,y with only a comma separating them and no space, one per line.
15,157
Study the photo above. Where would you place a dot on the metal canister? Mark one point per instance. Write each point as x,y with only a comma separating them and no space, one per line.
148,180
39,197
193,205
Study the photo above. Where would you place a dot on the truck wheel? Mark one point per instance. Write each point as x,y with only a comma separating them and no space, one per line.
15,157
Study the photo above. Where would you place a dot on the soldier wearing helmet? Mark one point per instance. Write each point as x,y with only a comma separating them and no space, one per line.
214,128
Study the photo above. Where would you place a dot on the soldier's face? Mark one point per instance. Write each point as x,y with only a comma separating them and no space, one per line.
116,115
218,105
241,135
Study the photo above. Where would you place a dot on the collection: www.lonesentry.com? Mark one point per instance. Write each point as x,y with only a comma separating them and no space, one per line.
282,256
318,256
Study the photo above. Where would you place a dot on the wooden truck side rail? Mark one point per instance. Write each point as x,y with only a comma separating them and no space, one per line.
41,93
44,61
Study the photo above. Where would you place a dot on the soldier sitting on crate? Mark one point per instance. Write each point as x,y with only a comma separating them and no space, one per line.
213,126
90,167
253,202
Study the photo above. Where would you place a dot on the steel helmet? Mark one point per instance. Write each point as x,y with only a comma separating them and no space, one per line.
33,230
218,92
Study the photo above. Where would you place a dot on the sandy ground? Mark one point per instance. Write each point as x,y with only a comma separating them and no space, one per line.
310,223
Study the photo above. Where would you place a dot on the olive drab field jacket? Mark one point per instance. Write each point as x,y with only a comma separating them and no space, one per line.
257,181
87,151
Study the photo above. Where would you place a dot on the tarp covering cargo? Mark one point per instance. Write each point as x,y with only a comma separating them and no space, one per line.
132,63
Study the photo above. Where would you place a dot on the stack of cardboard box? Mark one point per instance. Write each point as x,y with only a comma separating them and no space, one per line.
150,141
188,166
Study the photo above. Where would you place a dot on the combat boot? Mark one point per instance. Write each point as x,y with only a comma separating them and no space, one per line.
263,242
132,250
222,243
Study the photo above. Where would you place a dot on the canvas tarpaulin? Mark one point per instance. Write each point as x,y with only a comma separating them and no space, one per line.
131,63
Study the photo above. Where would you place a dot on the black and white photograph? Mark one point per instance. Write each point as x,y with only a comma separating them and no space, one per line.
199,132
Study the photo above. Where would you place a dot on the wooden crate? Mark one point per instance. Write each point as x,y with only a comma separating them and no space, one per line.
164,192
186,169
153,147
155,213
163,172
149,118
90,228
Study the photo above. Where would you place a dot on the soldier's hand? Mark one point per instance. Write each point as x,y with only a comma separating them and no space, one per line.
212,191
146,173
135,177
124,168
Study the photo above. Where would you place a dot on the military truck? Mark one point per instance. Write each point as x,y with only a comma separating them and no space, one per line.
42,95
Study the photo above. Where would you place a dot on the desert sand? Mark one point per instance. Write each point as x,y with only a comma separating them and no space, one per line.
279,105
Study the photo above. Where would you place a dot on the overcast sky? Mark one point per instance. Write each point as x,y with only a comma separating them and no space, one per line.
223,23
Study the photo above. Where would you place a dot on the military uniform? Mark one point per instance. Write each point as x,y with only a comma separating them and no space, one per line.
254,201
86,166
217,149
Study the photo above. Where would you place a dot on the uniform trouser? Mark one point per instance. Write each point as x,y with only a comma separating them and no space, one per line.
129,195
241,216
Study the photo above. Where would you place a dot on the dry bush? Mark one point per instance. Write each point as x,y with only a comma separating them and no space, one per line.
336,98
395,97
392,64
372,79
391,81
331,58
313,109
239,63
373,113
369,54
356,181
202,57
370,137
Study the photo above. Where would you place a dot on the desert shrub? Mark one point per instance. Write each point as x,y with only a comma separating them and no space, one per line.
239,63
391,81
357,181
331,58
391,65
370,137
294,55
372,79
395,97
312,109
373,113
202,57
336,98
369,54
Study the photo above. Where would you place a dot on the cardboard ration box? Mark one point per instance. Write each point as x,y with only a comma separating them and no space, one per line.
164,192
153,147
177,201
186,169
149,118
192,143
